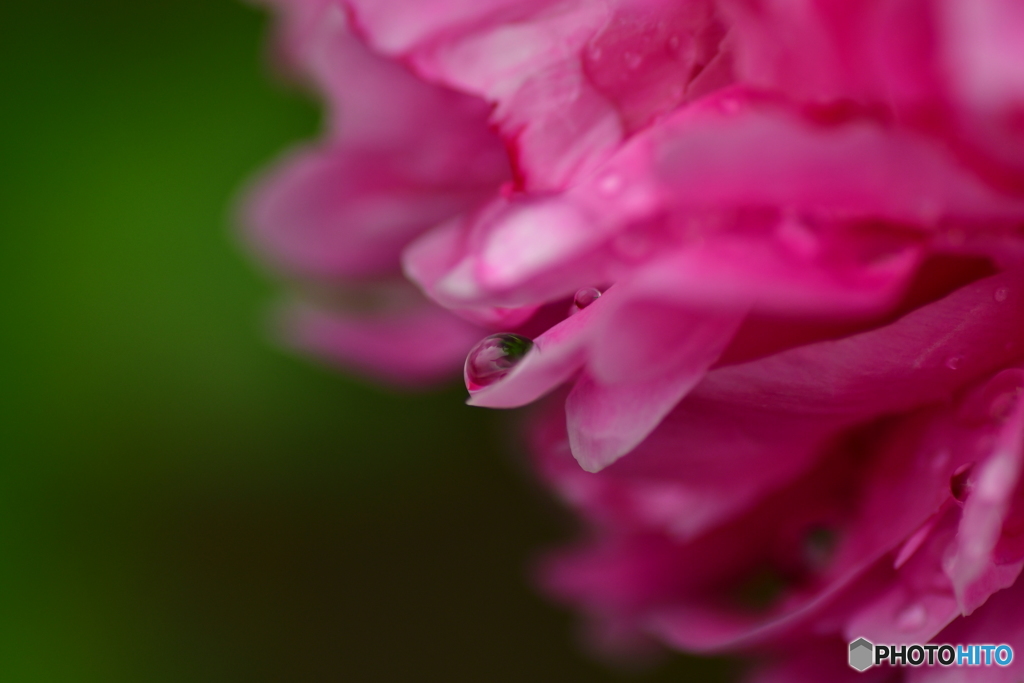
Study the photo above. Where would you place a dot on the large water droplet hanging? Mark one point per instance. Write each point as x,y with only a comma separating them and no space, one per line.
819,545
584,298
493,358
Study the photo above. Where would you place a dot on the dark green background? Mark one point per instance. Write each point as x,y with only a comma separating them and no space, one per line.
179,500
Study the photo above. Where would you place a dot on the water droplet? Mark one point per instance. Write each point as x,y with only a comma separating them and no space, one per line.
595,53
610,183
673,43
953,362
632,59
585,297
960,483
493,358
818,546
1001,294
912,618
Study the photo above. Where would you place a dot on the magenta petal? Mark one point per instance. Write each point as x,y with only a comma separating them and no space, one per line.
989,499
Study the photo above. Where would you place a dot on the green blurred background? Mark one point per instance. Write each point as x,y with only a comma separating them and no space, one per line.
180,500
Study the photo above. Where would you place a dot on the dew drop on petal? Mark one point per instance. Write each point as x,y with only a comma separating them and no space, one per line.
1001,294
953,362
912,618
673,43
493,358
960,481
819,546
585,297
633,60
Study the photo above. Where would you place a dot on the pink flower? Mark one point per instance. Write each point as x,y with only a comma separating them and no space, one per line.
768,255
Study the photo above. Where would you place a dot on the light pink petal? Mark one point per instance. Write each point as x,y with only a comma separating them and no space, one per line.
340,213
401,156
768,418
993,484
412,346
997,621
824,50
982,54
738,148
645,358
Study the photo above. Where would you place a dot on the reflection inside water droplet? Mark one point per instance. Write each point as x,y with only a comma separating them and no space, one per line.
493,358
585,297
818,547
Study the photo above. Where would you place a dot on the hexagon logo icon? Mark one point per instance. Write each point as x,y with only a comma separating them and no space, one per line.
861,651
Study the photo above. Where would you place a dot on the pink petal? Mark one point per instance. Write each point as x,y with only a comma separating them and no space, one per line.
411,346
647,356
342,213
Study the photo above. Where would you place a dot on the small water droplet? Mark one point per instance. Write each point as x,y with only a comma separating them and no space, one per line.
953,362
632,59
493,358
912,618
596,53
585,297
1001,294
673,43
610,183
960,483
